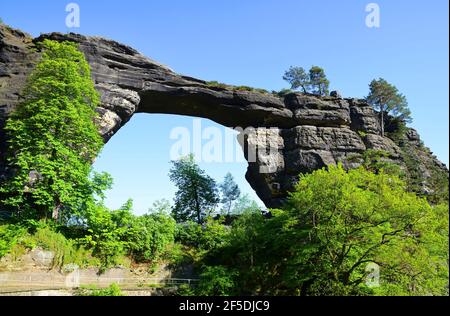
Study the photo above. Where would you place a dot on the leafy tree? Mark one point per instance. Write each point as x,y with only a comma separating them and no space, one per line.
197,192
297,78
334,224
214,234
386,98
315,81
216,281
9,236
375,161
346,220
105,234
188,233
245,204
209,236
149,236
318,80
52,136
230,191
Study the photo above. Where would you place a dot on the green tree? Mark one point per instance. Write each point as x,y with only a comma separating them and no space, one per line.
297,78
105,234
334,224
149,236
318,80
346,220
386,98
216,281
197,192
245,204
230,192
52,136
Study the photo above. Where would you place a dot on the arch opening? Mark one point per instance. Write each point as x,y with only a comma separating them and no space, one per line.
138,157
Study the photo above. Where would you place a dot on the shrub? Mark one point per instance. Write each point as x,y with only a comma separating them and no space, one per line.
10,235
216,281
112,290
150,236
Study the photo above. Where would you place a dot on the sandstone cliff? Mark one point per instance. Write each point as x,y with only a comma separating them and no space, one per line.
309,131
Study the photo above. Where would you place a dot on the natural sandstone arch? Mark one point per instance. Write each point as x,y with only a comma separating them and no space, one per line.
311,132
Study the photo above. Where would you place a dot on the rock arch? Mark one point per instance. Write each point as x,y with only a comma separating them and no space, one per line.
310,132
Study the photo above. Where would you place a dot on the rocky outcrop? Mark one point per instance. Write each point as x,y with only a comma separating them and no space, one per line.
292,134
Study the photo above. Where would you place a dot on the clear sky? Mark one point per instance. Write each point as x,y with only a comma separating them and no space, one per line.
251,43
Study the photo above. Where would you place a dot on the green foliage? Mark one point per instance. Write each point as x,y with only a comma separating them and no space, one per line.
362,134
282,92
318,80
52,136
214,234
188,233
216,84
105,234
216,281
209,236
315,81
351,219
434,184
377,161
230,192
197,192
334,224
65,250
112,290
10,235
297,78
244,204
150,235
395,128
386,98
17,239
111,234
185,290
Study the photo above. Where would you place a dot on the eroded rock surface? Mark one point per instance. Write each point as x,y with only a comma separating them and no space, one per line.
307,132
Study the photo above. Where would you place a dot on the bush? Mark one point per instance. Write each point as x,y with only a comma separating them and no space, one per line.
10,235
206,237
112,290
150,236
185,290
104,236
66,250
334,224
216,281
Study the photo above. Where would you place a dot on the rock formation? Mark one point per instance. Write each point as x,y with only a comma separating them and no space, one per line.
309,132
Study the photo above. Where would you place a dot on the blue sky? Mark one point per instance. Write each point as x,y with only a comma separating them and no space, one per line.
251,43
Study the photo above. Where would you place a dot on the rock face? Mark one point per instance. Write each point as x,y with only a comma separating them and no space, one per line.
291,134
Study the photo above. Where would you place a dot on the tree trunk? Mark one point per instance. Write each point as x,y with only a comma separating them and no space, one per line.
197,206
55,213
382,122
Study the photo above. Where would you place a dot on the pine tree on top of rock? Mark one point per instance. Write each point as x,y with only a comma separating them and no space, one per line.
386,98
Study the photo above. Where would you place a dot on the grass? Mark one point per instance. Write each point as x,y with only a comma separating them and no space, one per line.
16,241
92,290
216,84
